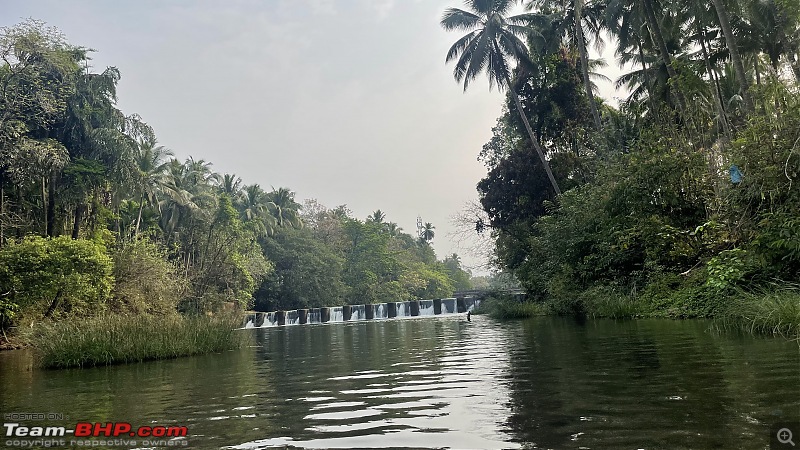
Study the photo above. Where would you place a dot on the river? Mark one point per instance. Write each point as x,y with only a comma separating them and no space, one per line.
444,382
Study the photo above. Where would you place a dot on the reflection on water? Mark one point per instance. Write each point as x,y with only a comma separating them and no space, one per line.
444,382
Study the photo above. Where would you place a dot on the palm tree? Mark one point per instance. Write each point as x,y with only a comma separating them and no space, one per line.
151,164
231,185
377,217
254,207
427,233
569,23
284,208
492,39
736,59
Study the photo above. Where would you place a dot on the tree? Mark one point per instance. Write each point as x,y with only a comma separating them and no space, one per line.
151,165
733,49
568,22
427,233
492,40
377,217
284,208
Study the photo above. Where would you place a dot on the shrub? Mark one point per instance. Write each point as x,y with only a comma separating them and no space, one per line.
53,277
145,281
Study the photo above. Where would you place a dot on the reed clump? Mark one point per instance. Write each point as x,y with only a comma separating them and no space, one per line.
775,312
120,339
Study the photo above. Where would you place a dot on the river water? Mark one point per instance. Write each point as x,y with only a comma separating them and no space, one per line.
444,382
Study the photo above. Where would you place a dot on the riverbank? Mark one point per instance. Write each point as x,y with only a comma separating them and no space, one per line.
773,311
120,339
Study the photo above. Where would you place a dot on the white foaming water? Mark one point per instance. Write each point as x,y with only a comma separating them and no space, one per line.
403,309
381,311
292,317
448,306
358,312
336,314
426,308
314,316
270,320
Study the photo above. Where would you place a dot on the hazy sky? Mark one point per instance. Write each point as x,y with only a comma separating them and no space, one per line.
345,101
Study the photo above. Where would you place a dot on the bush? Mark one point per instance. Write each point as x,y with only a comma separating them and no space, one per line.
145,281
119,339
53,277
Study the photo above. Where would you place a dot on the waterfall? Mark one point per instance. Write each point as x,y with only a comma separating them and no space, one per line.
336,314
314,315
403,309
292,317
469,302
358,312
270,320
426,307
448,306
381,311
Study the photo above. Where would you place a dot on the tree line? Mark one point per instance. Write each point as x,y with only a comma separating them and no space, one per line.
96,216
680,198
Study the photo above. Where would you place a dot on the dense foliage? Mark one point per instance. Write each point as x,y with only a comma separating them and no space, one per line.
95,216
676,201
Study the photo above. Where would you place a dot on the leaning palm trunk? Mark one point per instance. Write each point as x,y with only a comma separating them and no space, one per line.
581,44
723,120
661,44
736,58
534,141
139,217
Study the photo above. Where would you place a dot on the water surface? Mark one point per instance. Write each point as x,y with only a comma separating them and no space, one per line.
444,382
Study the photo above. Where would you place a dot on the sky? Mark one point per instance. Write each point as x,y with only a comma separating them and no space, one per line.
342,101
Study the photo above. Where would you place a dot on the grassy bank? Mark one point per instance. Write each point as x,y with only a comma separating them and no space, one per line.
119,339
773,311
768,312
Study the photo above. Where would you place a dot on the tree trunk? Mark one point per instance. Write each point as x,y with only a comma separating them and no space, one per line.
76,226
581,44
730,42
534,141
2,212
53,304
650,97
661,44
51,207
44,206
723,120
139,217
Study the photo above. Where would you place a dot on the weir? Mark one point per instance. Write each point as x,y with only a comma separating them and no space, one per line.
351,313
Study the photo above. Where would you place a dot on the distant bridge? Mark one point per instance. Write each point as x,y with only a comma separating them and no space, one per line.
517,294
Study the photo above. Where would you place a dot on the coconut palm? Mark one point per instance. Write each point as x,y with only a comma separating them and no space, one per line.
492,40
427,232
569,23
736,58
254,207
284,208
231,185
376,217
151,168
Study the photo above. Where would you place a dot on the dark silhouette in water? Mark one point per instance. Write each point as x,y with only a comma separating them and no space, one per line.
468,314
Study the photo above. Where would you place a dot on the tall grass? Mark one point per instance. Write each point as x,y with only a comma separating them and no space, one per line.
119,339
504,308
774,312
